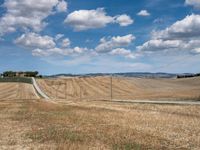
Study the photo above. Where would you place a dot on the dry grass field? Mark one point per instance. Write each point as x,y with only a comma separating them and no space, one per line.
36,124
27,122
122,88
17,91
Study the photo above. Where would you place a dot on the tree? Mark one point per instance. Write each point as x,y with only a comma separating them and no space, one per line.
31,73
9,74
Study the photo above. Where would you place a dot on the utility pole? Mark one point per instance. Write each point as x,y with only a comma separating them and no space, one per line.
56,91
57,88
80,88
18,91
66,89
111,90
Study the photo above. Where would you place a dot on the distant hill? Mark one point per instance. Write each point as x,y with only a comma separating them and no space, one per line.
127,74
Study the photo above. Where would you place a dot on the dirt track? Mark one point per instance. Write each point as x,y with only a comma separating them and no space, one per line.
17,91
122,88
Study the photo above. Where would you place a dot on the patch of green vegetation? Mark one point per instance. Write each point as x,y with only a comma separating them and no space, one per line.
127,146
16,79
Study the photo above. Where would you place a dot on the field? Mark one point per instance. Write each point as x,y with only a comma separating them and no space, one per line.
74,120
17,91
122,88
37,124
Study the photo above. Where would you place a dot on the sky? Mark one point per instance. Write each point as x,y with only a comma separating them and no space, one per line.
101,36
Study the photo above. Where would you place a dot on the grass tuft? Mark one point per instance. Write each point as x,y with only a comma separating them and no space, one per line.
127,146
56,135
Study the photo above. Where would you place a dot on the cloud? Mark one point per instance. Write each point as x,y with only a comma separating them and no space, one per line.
182,35
59,36
79,50
88,19
47,46
122,52
91,19
194,3
66,42
58,51
196,50
110,46
124,20
34,40
159,21
39,52
186,28
27,14
106,45
143,13
61,6
159,44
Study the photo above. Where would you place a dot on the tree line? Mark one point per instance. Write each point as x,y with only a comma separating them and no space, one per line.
188,75
21,74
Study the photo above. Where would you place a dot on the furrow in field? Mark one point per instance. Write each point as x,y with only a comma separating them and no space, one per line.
122,88
17,91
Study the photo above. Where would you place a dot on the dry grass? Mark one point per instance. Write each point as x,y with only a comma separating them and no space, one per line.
123,88
17,91
28,123
97,125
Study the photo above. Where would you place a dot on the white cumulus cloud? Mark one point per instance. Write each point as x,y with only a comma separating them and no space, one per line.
58,51
196,50
59,36
122,52
66,42
182,35
143,13
92,19
35,40
124,20
106,45
88,19
185,28
47,46
194,3
27,14
61,6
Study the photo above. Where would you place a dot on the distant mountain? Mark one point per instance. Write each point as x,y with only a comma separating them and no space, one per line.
127,74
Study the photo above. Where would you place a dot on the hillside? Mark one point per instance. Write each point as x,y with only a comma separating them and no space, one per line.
122,88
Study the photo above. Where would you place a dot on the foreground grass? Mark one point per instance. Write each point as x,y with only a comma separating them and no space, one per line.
98,125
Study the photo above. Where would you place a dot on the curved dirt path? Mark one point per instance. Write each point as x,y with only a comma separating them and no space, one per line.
39,91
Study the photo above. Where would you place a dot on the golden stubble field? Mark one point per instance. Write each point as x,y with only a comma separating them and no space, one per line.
27,122
36,124
11,91
122,88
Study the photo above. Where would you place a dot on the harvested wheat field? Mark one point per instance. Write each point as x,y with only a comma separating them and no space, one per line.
122,88
17,91
37,124
28,122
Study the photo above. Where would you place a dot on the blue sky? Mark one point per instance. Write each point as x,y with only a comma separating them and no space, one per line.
76,36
